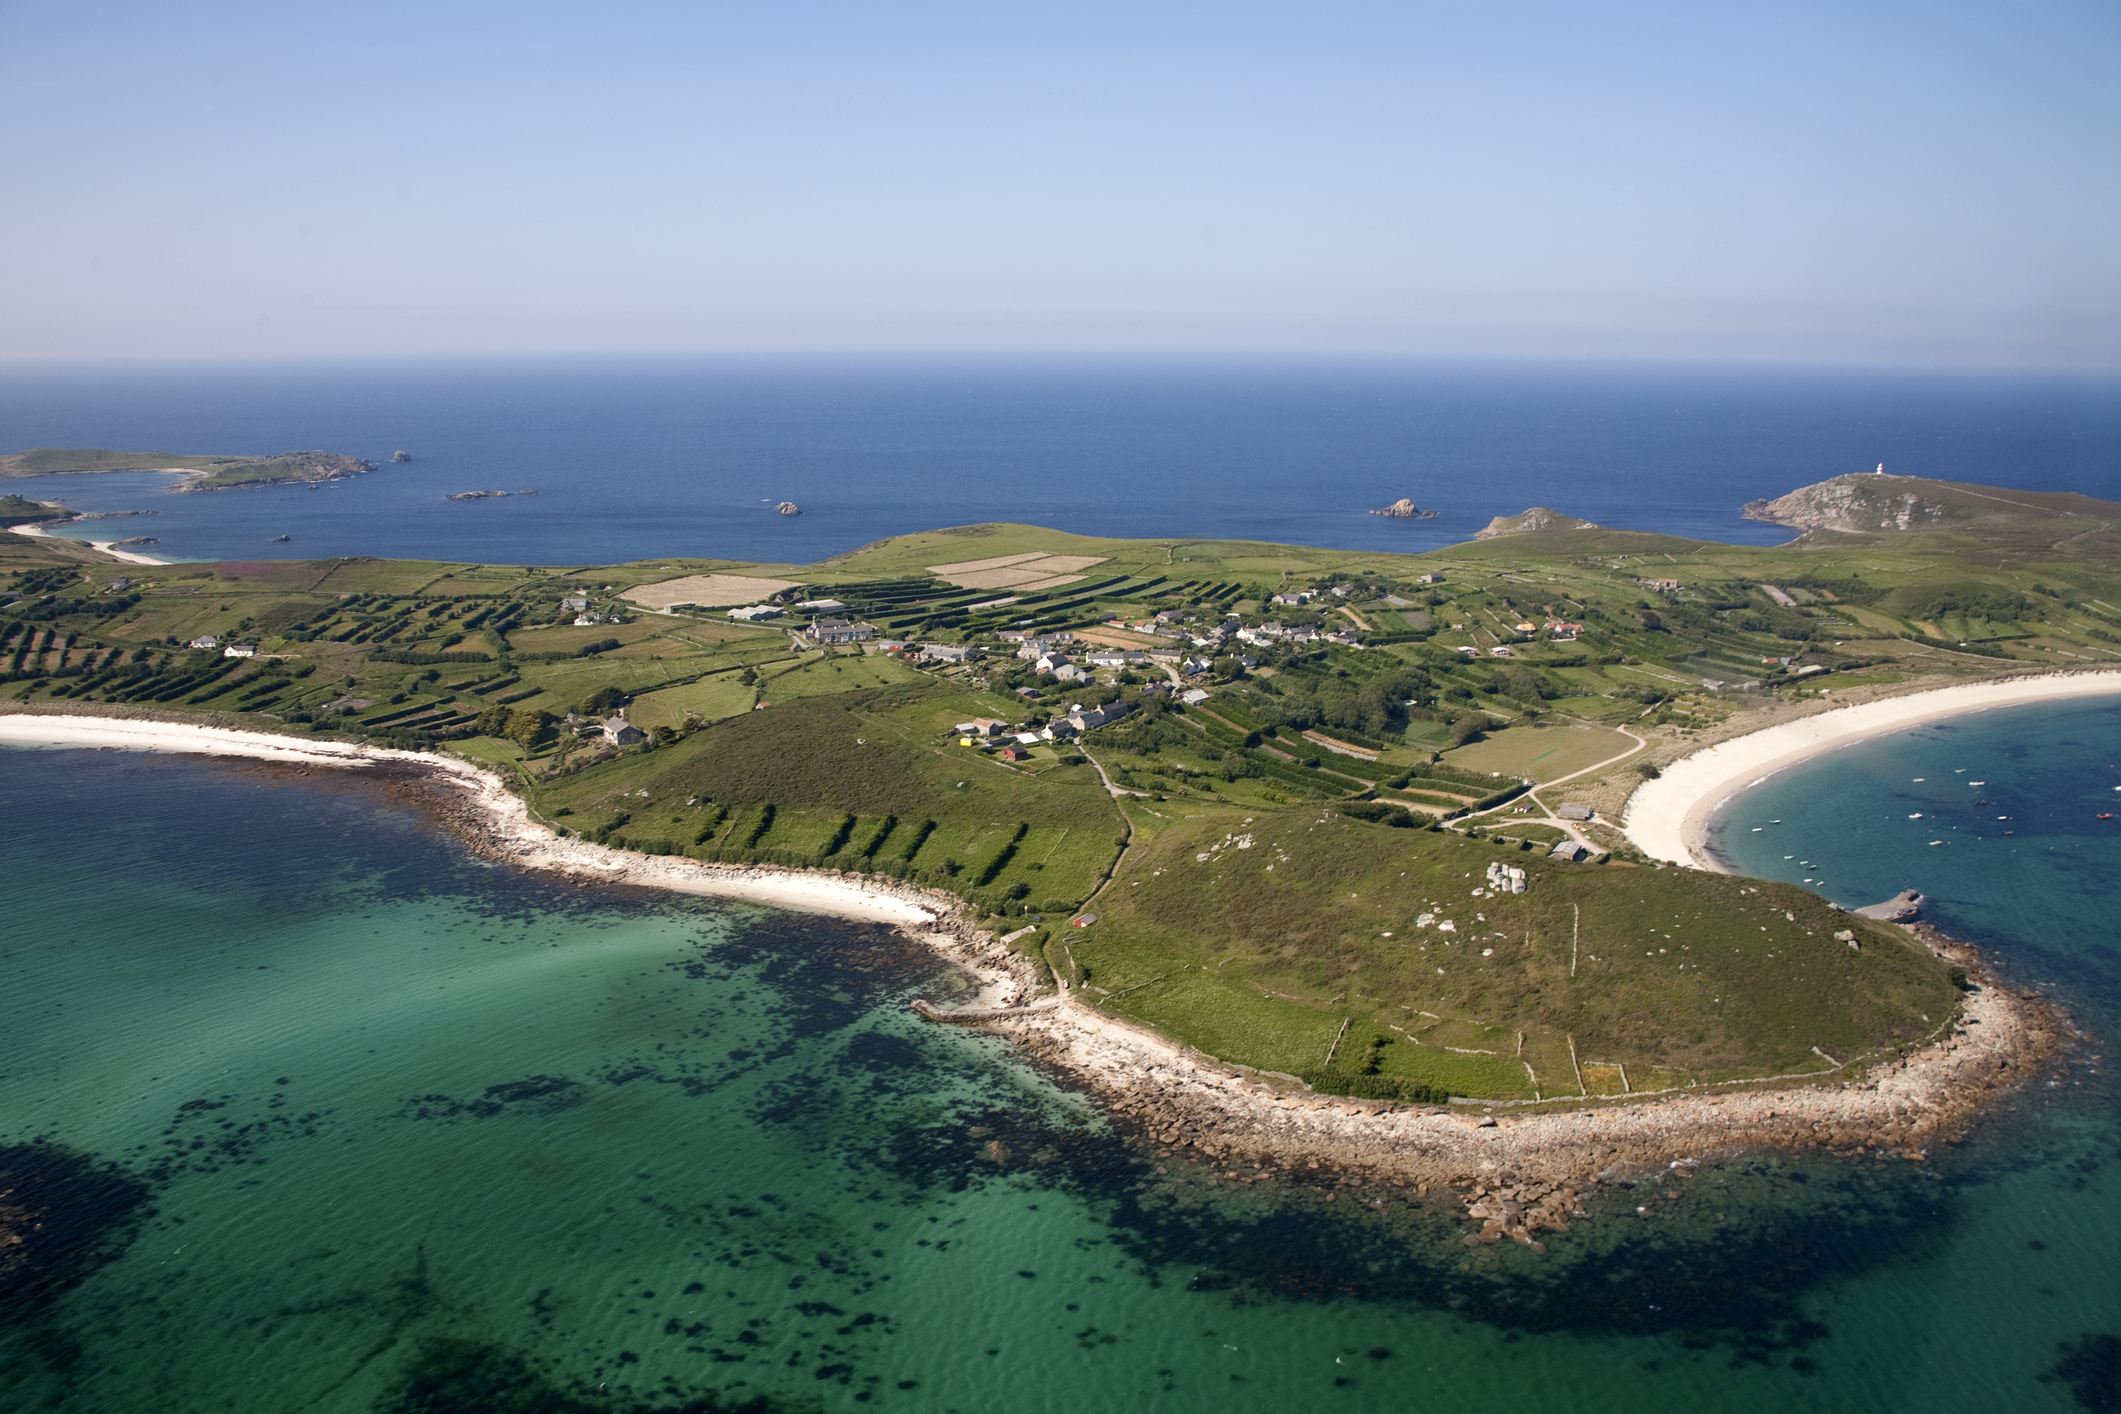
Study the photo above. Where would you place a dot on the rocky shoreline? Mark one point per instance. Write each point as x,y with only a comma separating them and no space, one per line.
1524,1173
1518,1170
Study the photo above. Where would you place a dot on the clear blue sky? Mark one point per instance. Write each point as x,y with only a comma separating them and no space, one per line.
1924,182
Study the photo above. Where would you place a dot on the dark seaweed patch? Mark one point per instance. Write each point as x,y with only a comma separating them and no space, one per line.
537,1094
2091,1366
476,1377
62,1215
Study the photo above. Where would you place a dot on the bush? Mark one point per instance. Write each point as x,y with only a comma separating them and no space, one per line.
1373,1087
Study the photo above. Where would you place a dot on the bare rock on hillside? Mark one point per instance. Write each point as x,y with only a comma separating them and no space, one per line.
1536,519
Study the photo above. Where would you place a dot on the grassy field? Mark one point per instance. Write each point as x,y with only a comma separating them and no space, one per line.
1315,919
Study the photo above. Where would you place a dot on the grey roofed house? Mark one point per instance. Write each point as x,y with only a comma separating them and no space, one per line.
1193,696
575,602
1569,850
1574,812
1092,718
620,732
945,652
840,631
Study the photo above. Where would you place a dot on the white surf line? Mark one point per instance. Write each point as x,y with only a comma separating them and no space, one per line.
1668,818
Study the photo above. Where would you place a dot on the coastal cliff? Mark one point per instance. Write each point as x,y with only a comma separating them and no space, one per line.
1870,503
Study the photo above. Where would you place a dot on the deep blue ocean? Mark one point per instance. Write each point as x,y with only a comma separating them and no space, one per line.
639,459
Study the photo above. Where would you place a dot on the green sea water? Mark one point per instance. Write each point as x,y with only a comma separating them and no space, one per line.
324,1114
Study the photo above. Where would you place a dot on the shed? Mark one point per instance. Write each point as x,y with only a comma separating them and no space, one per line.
1575,812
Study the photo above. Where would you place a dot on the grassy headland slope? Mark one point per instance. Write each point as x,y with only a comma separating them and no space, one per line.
1281,940
1399,691
212,473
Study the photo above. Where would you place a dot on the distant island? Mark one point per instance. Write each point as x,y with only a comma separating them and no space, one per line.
202,473
1342,821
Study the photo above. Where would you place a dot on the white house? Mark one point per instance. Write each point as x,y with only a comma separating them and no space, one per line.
240,650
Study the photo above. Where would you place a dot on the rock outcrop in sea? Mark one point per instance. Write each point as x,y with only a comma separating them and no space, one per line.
1404,509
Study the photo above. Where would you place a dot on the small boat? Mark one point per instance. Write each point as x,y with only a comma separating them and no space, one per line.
2107,816
279,539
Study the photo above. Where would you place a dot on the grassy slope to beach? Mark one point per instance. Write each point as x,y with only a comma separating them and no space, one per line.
848,759
1274,940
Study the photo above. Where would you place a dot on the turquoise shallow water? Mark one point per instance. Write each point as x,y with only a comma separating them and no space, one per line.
327,1115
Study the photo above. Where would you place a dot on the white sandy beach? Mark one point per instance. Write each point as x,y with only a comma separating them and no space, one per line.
1668,818
108,547
513,832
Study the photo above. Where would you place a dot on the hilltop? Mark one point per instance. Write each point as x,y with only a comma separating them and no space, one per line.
1290,871
1874,504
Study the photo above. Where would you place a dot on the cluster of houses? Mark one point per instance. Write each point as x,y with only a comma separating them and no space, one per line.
1065,727
1274,632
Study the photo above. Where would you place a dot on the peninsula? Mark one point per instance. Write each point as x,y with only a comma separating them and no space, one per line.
1273,822
201,473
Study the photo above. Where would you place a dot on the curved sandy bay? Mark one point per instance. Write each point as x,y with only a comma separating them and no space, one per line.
1668,818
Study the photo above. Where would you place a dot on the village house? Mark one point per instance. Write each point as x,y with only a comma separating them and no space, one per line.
1193,696
981,727
620,732
585,620
826,632
1662,586
1014,753
206,640
1430,578
1090,719
1565,632
1052,662
240,650
945,653
575,603
1114,657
